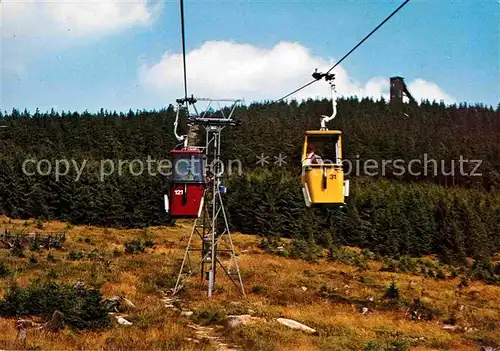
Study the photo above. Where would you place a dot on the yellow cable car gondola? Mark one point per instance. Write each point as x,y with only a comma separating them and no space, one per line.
322,177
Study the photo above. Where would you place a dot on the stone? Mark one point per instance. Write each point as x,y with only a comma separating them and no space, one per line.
489,348
123,321
56,323
418,339
186,313
192,340
119,304
21,336
23,323
290,323
126,303
470,329
243,319
474,294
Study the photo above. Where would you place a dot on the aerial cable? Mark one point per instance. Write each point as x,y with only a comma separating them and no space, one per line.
350,51
297,90
185,100
370,34
184,50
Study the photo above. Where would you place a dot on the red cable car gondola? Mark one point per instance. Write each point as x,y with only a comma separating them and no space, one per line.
188,184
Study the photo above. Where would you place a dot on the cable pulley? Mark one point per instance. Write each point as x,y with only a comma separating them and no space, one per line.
328,76
190,100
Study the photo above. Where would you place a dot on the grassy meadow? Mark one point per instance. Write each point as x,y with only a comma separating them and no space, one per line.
327,295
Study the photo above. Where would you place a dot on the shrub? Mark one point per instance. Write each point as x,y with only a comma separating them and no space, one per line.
390,265
147,237
15,302
5,270
134,246
75,256
366,280
52,274
387,345
369,255
360,262
427,263
159,281
209,316
464,282
34,245
440,274
304,250
93,255
420,310
18,249
39,224
452,320
496,269
80,305
406,264
484,270
258,289
345,256
392,291
149,243
273,244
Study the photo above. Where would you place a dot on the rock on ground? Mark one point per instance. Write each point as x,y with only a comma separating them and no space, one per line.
244,319
123,321
290,323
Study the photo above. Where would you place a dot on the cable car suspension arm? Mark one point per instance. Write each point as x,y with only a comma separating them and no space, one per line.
325,119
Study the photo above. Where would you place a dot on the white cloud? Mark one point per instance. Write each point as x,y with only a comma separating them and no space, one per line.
421,89
227,69
67,18
31,27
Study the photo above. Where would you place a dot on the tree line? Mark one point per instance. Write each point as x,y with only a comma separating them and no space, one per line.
391,218
452,215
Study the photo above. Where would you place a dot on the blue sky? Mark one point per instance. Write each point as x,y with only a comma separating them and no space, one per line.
121,55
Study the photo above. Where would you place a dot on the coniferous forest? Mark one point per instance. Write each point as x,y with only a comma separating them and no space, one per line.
444,207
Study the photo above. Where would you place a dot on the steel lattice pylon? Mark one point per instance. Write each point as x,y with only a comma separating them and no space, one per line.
212,227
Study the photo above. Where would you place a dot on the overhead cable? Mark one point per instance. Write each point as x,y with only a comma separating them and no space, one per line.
350,51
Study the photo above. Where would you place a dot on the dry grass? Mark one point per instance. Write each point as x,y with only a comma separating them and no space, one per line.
275,288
